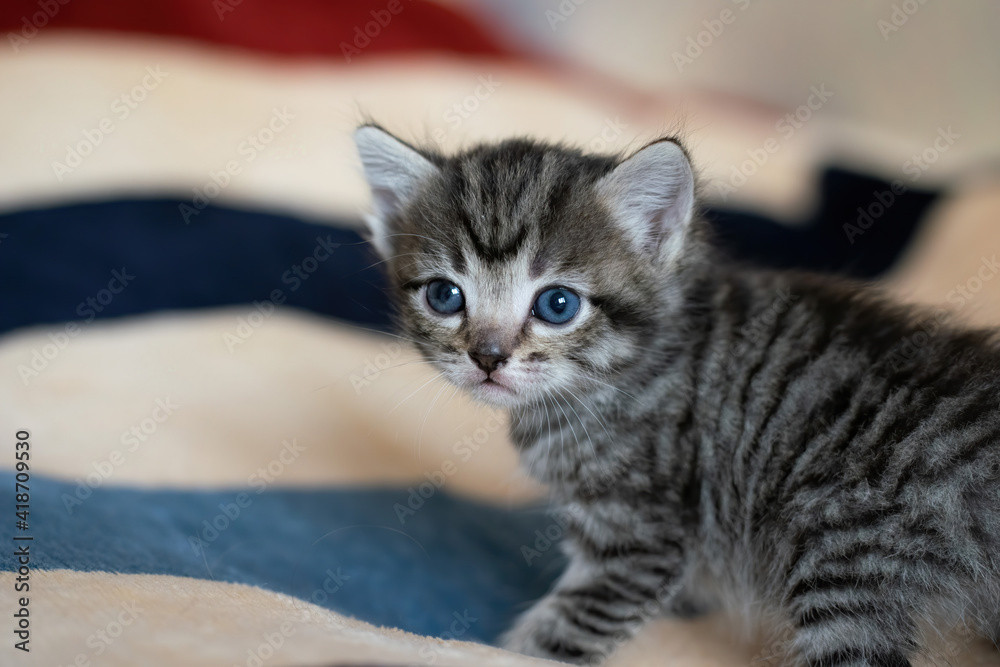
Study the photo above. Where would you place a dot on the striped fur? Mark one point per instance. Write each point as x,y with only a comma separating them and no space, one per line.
779,444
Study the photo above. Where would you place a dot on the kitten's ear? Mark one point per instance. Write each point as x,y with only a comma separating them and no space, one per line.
394,171
651,195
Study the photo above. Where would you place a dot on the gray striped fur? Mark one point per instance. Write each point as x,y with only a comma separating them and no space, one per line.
775,443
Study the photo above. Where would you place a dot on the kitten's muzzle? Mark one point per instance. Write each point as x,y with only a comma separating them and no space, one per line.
489,358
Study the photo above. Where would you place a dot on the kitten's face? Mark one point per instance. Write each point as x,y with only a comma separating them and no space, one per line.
511,267
516,329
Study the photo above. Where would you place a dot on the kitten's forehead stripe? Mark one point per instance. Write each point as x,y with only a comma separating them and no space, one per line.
457,257
538,265
558,195
488,188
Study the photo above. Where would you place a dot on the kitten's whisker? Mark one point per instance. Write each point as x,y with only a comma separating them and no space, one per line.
582,402
611,386
383,261
418,362
423,422
358,327
562,431
369,375
419,236
570,406
604,473
590,441
436,377
548,420
454,393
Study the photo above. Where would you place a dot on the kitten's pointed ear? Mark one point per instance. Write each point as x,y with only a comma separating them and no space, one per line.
651,195
394,171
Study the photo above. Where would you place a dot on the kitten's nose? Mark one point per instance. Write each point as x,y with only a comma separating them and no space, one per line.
489,357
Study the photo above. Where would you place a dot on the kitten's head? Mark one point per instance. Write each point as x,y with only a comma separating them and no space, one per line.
524,269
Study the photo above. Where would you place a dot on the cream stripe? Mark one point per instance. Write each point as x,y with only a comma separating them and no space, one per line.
196,118
181,410
129,620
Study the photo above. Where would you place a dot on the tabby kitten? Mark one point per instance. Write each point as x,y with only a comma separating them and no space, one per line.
769,441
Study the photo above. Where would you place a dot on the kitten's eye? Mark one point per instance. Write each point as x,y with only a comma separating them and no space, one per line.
556,305
445,297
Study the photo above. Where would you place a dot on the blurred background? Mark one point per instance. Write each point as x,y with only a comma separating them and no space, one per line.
180,221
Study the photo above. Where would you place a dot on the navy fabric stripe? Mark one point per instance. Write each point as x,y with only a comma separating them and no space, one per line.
53,260
859,227
342,549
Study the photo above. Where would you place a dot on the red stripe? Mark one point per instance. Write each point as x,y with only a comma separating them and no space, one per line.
286,27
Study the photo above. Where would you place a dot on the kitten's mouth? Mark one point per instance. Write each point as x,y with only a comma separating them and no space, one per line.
489,388
492,389
493,383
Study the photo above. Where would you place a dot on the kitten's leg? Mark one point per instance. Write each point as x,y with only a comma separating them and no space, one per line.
846,615
595,607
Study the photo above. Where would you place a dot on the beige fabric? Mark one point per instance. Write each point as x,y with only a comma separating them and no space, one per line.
130,620
959,250
95,618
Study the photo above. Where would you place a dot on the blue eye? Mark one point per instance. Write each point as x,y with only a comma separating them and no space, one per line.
445,297
556,305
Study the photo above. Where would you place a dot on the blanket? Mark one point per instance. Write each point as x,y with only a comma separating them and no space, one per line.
231,460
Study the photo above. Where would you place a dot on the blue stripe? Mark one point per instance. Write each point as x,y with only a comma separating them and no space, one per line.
342,549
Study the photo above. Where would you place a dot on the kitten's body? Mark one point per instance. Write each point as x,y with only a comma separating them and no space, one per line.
774,442
825,451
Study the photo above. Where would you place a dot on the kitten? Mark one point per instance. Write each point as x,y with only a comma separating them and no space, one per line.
774,441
